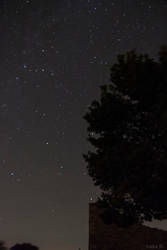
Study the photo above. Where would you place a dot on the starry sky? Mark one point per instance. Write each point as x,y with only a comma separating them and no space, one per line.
54,55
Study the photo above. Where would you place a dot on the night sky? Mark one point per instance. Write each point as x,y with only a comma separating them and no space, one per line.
53,56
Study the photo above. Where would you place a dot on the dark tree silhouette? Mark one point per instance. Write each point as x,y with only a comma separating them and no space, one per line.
24,246
2,245
128,129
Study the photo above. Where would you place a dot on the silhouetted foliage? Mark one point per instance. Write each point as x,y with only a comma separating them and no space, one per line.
128,129
2,245
24,246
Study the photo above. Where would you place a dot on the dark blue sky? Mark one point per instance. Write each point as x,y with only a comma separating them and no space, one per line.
54,56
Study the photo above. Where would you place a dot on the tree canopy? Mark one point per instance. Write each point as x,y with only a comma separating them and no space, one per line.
127,127
24,246
2,245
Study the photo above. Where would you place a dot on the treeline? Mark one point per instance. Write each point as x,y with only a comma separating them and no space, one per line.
23,246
